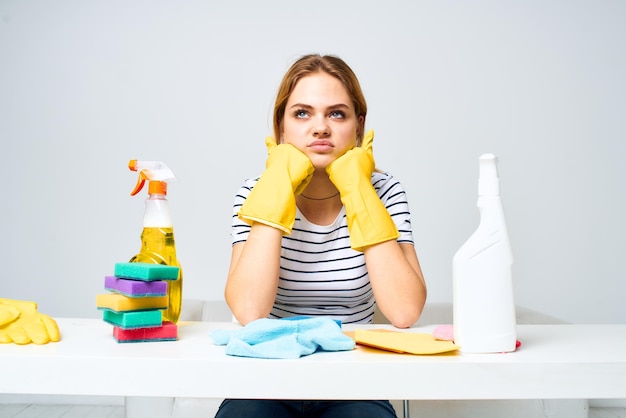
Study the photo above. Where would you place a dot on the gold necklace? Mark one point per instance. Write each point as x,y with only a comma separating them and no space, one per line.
320,198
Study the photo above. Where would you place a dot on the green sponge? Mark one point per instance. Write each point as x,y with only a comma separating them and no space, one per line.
133,320
146,271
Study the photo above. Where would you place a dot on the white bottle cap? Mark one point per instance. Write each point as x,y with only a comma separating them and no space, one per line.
488,180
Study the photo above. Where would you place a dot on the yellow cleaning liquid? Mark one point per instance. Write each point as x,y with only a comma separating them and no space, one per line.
158,247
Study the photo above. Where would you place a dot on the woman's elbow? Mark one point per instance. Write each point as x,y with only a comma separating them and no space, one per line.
406,316
405,320
246,313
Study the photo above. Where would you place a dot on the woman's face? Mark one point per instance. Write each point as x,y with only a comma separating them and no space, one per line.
320,119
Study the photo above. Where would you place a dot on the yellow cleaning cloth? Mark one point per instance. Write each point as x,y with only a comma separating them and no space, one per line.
120,303
403,342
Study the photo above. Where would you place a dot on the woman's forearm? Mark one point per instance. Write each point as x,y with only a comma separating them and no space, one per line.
253,275
397,281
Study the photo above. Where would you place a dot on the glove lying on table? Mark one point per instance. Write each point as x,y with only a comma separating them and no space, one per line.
272,201
8,313
284,338
21,323
369,222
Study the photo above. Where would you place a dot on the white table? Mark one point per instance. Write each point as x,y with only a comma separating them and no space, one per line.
554,362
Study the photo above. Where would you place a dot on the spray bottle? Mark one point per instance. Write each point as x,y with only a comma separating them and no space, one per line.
157,238
483,305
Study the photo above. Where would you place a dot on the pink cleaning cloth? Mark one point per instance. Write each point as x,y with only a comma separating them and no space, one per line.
446,333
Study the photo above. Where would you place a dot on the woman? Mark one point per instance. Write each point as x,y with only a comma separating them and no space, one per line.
321,232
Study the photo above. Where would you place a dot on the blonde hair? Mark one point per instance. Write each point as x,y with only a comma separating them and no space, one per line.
314,63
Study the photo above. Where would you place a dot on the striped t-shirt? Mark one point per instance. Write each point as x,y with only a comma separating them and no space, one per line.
320,275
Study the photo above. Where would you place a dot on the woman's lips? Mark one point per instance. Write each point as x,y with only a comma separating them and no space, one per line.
320,145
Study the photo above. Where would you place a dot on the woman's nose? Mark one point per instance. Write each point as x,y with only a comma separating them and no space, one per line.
321,128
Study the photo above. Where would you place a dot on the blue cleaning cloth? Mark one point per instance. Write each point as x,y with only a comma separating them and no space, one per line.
281,339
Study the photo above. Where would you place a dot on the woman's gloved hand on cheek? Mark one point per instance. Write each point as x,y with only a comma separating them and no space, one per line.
272,201
369,221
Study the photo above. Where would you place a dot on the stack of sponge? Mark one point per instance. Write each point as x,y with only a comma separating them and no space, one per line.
138,295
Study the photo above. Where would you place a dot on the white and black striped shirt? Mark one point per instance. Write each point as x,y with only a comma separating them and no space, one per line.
320,275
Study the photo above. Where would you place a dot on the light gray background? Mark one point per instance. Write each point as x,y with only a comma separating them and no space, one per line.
87,85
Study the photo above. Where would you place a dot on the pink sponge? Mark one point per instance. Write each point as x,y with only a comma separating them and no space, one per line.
166,332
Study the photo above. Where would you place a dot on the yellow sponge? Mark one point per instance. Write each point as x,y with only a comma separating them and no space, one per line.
120,303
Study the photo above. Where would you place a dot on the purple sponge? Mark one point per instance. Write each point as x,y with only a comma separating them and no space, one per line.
135,288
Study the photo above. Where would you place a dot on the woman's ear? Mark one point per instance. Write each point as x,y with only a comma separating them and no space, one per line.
359,131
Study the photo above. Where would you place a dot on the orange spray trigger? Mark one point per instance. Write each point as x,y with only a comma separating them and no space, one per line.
141,180
154,171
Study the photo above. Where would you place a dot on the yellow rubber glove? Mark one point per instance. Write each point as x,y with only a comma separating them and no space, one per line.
30,326
8,314
369,221
272,201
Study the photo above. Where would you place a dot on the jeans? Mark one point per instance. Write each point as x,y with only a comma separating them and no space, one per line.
253,408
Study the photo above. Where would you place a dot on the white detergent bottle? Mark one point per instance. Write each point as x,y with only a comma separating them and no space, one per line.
483,303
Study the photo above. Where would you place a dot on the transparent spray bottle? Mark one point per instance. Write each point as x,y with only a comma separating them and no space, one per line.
483,303
157,239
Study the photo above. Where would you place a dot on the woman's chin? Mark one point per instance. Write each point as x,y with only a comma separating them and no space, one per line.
320,167
321,162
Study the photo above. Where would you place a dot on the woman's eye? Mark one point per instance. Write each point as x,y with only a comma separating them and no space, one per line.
300,114
337,114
